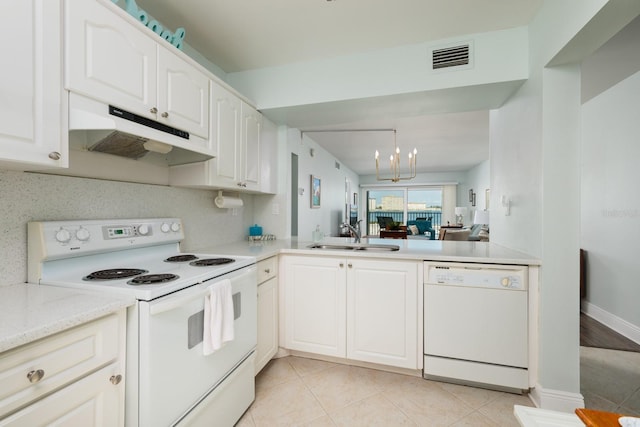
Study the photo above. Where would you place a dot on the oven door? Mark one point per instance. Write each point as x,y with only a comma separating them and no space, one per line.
174,374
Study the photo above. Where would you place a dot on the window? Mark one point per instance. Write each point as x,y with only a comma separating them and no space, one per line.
402,205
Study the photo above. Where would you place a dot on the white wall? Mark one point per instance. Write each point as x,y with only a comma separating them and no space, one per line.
332,211
499,56
477,178
535,141
32,197
522,153
610,207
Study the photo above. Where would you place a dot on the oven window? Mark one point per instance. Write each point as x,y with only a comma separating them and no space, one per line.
195,329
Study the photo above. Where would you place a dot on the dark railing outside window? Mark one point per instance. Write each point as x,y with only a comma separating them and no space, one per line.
398,216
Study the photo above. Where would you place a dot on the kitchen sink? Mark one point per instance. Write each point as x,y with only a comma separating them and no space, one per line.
354,247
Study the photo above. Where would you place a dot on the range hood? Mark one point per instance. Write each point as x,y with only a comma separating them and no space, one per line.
111,130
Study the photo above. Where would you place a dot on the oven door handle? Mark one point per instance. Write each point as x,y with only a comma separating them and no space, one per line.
190,295
177,301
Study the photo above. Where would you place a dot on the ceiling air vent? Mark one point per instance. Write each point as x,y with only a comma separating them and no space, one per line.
450,57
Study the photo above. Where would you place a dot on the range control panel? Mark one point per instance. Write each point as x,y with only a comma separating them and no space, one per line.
62,239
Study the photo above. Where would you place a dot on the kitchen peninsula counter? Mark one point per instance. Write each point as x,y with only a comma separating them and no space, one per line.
425,250
29,312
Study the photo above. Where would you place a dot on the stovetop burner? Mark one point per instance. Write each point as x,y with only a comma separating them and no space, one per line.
207,262
181,258
114,273
150,279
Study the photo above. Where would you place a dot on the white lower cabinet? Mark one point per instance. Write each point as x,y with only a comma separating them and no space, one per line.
315,305
267,345
355,308
73,378
92,401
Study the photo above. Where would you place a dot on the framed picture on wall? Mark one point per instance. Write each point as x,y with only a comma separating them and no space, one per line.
473,199
316,191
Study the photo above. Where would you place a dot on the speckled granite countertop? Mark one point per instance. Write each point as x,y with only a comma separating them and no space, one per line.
29,312
425,250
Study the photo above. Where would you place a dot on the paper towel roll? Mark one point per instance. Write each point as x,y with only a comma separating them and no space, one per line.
227,202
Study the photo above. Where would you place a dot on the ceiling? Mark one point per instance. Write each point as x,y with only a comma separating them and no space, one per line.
250,34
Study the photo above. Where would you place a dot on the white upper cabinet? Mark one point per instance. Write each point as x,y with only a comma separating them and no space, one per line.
33,113
183,94
225,138
250,148
109,59
236,133
114,60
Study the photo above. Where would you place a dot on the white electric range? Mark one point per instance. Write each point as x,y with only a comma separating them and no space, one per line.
169,380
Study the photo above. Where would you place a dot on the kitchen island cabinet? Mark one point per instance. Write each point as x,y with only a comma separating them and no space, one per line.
360,309
33,113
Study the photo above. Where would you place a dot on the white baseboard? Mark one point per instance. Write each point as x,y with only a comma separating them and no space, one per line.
556,400
612,321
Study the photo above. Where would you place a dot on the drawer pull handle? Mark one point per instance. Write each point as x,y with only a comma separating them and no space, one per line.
35,376
54,155
266,270
350,265
165,114
153,110
115,379
341,264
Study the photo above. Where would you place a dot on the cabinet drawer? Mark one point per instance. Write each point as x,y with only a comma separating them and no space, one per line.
57,360
267,269
92,401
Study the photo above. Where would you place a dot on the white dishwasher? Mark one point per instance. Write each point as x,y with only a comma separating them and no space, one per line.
476,323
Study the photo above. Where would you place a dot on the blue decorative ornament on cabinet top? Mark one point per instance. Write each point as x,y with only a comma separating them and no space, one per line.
176,38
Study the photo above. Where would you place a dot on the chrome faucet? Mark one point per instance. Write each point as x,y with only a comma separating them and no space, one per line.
355,230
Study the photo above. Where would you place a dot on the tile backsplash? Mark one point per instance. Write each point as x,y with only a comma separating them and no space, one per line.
28,197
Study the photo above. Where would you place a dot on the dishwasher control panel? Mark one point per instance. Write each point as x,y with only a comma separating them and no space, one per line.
477,275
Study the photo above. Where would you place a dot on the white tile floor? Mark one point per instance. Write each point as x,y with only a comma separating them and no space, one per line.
610,380
295,391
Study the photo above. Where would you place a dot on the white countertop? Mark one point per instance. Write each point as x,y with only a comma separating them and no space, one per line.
426,250
29,312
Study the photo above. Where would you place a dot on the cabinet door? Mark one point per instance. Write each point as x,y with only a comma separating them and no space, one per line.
250,155
267,323
96,400
183,94
382,312
225,140
315,305
33,118
108,58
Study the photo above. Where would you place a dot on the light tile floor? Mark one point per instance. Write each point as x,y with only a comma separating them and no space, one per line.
610,380
294,391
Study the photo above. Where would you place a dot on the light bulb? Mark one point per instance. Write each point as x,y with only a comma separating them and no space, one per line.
415,151
397,150
377,154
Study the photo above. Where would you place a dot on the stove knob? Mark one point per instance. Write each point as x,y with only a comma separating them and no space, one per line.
63,236
165,227
175,227
83,234
506,282
143,230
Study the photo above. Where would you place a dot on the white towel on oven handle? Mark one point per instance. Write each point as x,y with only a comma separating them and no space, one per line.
218,317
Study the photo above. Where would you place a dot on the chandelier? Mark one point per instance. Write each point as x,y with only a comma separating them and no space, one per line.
394,164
